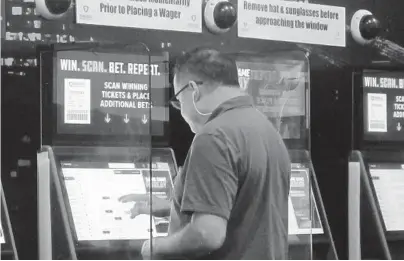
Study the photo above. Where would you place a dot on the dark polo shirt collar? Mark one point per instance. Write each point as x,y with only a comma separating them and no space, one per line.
234,103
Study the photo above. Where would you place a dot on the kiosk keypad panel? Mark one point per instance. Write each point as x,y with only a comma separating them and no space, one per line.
388,181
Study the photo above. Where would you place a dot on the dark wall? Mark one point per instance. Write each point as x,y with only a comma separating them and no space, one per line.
330,100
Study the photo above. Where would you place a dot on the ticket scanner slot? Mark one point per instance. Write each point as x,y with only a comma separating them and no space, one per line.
8,248
310,236
85,218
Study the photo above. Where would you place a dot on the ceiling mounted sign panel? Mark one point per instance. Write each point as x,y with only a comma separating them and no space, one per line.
171,15
292,22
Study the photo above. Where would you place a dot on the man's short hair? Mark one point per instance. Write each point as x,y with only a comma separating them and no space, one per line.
208,65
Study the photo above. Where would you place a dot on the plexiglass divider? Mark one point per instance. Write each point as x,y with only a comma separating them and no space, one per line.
159,181
142,152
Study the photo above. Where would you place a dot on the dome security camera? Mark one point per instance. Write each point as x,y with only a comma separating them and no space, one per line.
364,27
220,16
52,9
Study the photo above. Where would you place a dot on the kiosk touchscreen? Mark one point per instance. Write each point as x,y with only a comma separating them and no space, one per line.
104,131
7,243
378,153
93,188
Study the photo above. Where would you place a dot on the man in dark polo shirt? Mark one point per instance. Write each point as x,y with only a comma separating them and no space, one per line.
231,198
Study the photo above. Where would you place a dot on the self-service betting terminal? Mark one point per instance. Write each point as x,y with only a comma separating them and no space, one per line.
279,84
376,166
104,112
8,248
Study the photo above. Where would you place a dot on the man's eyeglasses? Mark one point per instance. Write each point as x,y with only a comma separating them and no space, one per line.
175,102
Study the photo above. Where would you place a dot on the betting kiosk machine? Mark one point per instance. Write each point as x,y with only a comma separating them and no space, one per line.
104,127
376,166
8,248
279,85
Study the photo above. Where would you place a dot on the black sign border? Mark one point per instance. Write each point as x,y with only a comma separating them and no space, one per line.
361,139
46,58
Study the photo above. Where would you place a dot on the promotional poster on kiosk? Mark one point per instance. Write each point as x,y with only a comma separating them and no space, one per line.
383,95
110,94
278,87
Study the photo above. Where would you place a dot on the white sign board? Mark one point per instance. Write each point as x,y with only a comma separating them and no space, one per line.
292,22
172,15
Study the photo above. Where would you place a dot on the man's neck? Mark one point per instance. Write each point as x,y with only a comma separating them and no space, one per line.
224,94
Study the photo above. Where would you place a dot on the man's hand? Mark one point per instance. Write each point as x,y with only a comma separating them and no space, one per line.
203,235
160,207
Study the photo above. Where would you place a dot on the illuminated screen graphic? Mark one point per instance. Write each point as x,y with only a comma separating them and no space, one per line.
109,94
383,106
93,191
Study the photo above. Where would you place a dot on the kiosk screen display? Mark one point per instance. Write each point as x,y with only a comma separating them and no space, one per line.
383,105
388,181
110,93
94,189
303,218
278,89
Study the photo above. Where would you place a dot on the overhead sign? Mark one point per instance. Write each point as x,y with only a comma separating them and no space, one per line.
172,15
383,94
292,22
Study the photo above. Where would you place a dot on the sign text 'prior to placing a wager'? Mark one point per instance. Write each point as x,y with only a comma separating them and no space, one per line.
172,15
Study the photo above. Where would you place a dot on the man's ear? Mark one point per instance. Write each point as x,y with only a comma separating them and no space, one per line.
196,92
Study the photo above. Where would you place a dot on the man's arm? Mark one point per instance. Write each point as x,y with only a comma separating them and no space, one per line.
204,234
160,207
